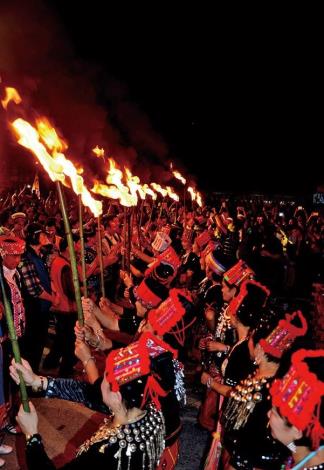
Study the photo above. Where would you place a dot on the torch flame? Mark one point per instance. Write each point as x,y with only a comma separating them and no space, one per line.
55,164
149,191
179,176
49,136
192,193
199,199
29,138
159,189
11,95
99,152
133,182
172,194
116,188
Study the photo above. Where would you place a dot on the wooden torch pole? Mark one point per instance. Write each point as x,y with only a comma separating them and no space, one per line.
68,233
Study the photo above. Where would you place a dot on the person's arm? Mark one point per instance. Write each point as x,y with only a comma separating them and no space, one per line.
36,456
139,254
32,282
106,318
65,389
222,389
136,272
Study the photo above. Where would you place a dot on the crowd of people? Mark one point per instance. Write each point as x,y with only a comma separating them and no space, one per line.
234,289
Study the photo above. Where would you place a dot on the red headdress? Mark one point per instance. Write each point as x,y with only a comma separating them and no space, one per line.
238,273
11,245
299,394
161,242
169,313
127,364
282,337
170,257
150,293
203,239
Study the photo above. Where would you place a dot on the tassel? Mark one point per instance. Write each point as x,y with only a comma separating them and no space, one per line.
153,390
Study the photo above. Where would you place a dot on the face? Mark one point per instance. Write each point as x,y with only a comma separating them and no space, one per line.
228,292
186,244
113,225
11,261
257,353
51,231
30,213
209,273
280,429
112,399
20,222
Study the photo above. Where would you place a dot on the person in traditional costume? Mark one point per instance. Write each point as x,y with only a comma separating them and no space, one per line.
133,437
244,419
11,249
297,415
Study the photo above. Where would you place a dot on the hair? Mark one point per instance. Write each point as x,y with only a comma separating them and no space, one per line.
63,244
162,371
251,310
51,222
107,219
33,232
4,216
162,272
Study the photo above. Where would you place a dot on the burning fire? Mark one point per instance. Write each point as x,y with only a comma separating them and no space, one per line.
115,188
133,182
11,95
149,191
172,194
195,196
179,176
55,163
99,152
192,193
199,199
159,189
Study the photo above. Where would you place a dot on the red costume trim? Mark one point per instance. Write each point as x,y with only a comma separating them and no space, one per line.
282,337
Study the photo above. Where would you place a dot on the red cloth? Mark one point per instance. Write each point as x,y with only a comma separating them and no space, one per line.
169,457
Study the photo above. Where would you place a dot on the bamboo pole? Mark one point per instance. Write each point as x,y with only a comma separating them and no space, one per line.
151,214
68,233
14,343
184,207
176,213
102,279
83,264
130,216
161,208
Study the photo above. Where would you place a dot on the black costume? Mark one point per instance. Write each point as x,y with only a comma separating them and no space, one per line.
245,421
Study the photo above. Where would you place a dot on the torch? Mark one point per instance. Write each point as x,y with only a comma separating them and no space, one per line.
83,265
68,233
102,278
115,189
183,180
40,141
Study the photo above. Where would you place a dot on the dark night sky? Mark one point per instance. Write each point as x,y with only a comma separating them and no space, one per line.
228,101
